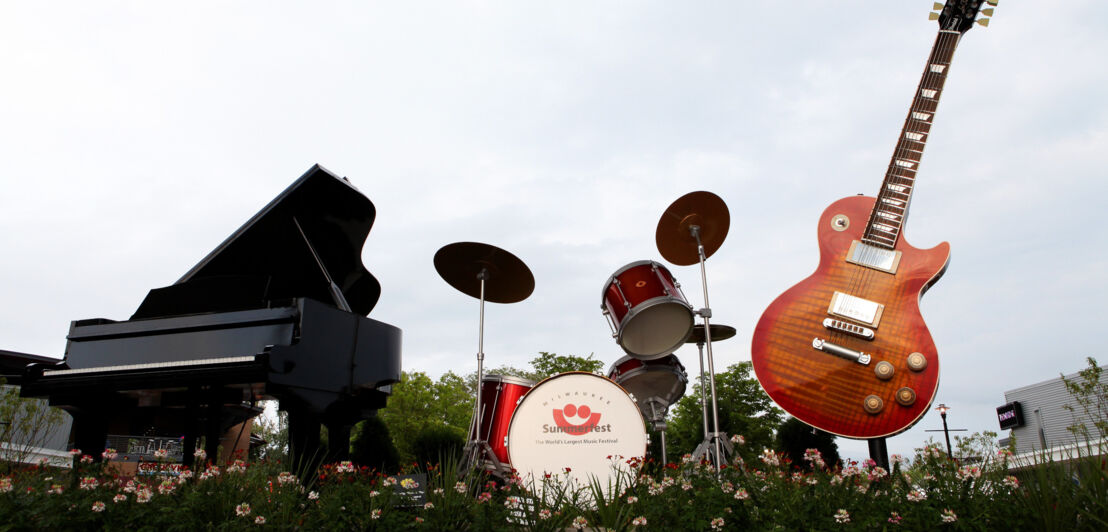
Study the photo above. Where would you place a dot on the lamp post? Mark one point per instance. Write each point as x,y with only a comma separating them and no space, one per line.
946,432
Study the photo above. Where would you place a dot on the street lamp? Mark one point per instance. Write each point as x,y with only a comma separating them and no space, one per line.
946,432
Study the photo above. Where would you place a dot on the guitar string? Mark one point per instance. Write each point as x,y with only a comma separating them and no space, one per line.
942,54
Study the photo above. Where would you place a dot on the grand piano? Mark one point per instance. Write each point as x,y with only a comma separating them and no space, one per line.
277,311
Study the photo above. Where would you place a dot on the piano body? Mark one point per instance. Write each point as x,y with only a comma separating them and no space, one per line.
277,311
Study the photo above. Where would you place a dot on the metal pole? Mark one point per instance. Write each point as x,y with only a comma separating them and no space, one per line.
477,446
706,314
946,432
703,385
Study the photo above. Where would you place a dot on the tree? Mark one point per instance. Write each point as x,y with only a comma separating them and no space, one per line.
795,437
417,402
25,425
744,410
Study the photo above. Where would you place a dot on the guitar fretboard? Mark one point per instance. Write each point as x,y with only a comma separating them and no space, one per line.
891,209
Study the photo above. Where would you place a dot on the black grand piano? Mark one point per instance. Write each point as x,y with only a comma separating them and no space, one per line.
277,311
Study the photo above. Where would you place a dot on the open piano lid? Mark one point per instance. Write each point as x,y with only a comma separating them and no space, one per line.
267,259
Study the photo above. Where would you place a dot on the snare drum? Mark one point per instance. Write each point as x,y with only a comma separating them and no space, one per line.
646,310
655,384
499,396
576,426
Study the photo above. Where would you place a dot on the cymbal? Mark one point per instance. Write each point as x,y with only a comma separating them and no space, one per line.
719,333
509,280
702,209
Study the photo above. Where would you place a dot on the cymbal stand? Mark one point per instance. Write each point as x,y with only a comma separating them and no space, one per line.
711,440
478,446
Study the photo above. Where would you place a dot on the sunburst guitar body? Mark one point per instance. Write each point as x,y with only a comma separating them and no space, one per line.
846,350
851,309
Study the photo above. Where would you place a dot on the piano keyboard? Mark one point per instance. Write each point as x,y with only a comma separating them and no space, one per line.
152,365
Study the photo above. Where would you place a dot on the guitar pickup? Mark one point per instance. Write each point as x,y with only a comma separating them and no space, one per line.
856,309
840,351
864,333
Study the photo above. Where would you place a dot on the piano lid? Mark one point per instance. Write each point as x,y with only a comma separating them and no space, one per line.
270,258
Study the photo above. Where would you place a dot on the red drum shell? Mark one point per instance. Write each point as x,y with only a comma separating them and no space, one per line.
648,310
500,394
664,378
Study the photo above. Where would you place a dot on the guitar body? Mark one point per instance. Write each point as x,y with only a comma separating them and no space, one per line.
830,391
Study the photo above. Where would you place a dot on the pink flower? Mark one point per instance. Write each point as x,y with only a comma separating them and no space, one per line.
895,518
460,487
484,497
89,483
948,516
737,440
544,514
109,454
200,455
98,506
639,521
74,452
86,459
717,523
741,494
579,522
842,516
119,497
632,499
161,454
260,520
375,514
242,510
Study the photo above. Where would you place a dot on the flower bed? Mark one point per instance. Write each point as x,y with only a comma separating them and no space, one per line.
930,492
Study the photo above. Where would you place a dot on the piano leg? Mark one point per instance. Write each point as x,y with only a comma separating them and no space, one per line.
338,441
90,432
304,451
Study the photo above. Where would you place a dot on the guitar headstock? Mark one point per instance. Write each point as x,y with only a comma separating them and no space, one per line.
959,15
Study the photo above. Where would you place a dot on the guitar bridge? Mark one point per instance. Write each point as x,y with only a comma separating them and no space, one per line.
864,333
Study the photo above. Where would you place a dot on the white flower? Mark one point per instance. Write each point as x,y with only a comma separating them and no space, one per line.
738,440
260,520
717,523
460,487
842,516
948,516
544,514
770,458
161,454
580,522
632,499
98,506
200,455
741,494
639,521
89,483
119,497
512,502
286,478
313,495
242,510
428,506
109,454
917,495
375,514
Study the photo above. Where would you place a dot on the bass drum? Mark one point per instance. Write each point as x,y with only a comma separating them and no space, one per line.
575,426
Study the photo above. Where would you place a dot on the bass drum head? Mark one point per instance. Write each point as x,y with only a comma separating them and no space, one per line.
580,422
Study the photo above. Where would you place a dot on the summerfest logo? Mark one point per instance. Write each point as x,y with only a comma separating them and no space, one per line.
576,419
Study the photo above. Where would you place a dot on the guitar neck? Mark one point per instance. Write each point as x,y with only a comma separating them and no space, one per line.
890,212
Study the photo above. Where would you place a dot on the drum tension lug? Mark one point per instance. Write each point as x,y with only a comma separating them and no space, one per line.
705,313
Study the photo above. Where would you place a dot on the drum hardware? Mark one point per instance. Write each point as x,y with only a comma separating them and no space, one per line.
469,267
719,333
691,229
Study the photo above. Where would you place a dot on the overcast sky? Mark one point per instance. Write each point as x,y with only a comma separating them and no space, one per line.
135,137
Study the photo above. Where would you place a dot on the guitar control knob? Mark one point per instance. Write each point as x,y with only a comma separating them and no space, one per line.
916,361
873,404
906,396
884,370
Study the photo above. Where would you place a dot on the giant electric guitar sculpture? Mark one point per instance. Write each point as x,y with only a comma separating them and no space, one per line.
846,350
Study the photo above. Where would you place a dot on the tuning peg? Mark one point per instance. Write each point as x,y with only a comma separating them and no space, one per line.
937,7
992,2
983,22
932,16
988,12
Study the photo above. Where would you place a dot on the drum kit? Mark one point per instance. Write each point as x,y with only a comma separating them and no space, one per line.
576,422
